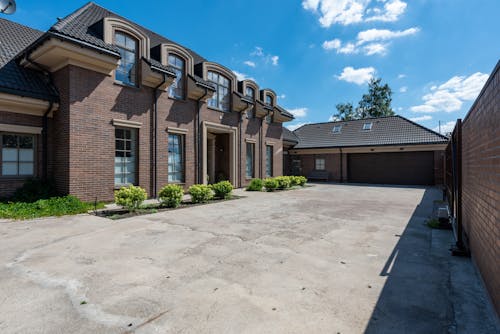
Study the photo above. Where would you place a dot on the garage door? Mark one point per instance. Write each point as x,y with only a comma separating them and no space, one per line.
411,168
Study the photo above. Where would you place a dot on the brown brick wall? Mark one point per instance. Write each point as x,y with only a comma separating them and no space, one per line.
332,164
481,184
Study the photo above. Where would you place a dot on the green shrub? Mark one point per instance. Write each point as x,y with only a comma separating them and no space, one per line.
222,189
283,182
270,184
294,180
301,180
55,206
130,197
255,185
171,195
35,189
200,193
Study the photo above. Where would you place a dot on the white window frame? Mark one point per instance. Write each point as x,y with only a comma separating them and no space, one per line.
134,153
18,160
367,126
337,129
319,164
182,158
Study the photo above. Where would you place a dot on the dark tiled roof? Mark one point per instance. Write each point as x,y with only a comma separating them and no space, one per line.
289,136
85,25
156,65
15,79
200,81
284,112
392,130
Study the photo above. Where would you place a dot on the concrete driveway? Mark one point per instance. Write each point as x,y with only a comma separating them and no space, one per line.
325,259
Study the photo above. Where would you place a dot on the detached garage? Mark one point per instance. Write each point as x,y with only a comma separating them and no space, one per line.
386,150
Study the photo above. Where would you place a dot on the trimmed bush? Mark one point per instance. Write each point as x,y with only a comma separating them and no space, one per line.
130,197
283,182
55,206
200,193
301,180
171,195
294,180
270,184
222,189
255,185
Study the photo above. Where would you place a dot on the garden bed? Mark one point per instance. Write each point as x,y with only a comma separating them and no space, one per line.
147,209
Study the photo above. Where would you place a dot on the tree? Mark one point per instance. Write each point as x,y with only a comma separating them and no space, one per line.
345,112
376,103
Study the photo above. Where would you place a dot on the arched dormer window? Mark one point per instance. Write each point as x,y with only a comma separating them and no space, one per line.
250,92
269,100
178,88
127,69
222,98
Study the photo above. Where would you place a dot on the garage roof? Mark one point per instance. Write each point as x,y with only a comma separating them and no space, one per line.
390,130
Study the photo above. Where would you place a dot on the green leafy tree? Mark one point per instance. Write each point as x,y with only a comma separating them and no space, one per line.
376,103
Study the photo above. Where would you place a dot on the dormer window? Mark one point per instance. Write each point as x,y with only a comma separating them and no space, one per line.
178,64
367,126
127,69
221,99
250,92
269,100
337,128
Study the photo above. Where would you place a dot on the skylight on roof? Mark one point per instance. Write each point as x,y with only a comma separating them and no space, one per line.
367,126
337,128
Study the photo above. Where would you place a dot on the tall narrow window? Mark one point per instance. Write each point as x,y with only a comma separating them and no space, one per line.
250,92
269,161
18,155
269,99
175,158
250,160
319,164
125,156
127,69
221,99
176,90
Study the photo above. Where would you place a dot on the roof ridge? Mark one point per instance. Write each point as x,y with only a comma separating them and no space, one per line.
350,120
70,17
423,127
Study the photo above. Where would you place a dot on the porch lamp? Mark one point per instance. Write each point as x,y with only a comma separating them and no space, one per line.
7,6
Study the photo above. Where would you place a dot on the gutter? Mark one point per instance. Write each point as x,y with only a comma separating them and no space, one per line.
155,135
198,138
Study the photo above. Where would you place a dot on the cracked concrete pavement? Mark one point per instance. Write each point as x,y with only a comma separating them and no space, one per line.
324,259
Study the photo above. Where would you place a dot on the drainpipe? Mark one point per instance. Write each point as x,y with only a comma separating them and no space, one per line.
44,117
261,154
155,135
198,139
341,166
241,142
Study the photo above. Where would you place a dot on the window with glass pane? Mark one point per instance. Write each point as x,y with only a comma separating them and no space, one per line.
320,164
269,100
175,158
250,92
221,98
269,161
18,155
250,160
127,68
176,90
125,156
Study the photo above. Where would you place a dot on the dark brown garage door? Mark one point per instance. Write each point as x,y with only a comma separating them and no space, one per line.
412,168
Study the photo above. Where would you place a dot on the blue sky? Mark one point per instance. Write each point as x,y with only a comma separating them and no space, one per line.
434,54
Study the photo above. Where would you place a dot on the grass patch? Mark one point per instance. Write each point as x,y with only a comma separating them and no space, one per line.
55,206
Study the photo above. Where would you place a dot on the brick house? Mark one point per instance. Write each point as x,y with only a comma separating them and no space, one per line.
386,150
98,101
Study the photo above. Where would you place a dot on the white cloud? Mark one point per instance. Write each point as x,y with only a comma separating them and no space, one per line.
372,35
446,127
292,127
282,96
274,60
333,118
347,12
403,89
358,76
401,76
249,63
242,76
450,95
298,112
258,51
421,118
370,42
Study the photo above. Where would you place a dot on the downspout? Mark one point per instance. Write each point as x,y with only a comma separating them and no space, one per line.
198,139
45,144
341,166
155,135
261,153
241,142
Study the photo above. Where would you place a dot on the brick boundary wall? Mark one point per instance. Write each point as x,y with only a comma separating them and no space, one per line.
481,183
